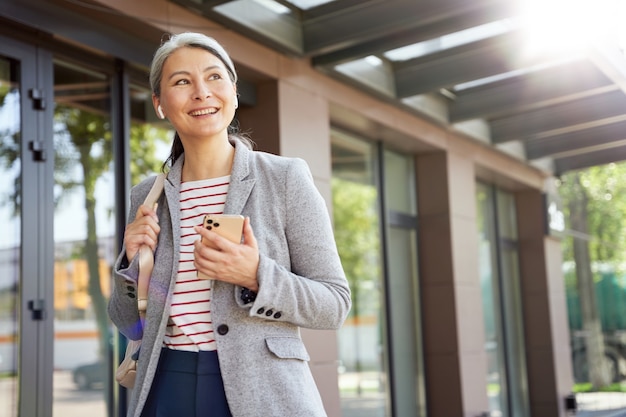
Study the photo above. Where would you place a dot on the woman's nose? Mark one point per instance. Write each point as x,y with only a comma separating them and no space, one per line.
202,91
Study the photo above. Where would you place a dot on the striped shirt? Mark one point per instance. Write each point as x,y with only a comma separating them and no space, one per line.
189,327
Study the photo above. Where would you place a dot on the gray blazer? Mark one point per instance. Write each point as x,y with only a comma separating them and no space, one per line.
263,360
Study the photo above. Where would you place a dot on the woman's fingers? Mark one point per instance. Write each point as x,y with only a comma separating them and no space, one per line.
219,258
144,230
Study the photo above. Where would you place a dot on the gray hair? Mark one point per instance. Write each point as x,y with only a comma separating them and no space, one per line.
191,40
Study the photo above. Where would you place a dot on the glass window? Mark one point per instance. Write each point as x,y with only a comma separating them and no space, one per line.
85,235
502,310
400,185
507,218
402,285
150,137
84,238
10,238
380,343
491,297
363,374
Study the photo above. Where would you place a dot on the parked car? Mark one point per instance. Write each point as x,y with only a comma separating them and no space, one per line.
89,376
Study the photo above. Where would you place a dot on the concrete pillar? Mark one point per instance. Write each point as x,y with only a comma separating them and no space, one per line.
546,328
453,332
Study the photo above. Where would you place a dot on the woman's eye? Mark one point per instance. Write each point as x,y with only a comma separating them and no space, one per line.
181,82
215,77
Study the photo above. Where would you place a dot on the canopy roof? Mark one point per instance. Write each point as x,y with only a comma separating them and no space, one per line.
463,63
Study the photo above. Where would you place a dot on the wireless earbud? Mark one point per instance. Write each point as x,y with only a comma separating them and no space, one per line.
160,112
236,103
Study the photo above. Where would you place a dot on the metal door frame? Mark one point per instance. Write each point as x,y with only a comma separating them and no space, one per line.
35,287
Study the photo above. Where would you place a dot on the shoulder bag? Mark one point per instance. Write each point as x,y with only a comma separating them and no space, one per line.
127,370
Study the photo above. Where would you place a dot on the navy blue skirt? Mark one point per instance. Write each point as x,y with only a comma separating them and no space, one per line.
187,384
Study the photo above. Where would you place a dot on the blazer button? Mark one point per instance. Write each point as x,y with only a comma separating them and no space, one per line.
130,294
269,312
130,288
222,329
260,310
277,315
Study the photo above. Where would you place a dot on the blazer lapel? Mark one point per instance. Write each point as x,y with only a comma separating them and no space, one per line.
241,180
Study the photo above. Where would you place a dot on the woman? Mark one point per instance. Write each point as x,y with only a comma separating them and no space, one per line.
229,345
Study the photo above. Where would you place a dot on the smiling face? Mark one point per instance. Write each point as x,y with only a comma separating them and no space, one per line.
197,95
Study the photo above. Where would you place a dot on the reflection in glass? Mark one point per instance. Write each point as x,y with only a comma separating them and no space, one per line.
402,284
489,282
501,295
150,137
84,230
10,239
363,377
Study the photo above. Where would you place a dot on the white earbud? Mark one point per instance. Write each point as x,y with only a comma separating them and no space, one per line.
160,112
236,103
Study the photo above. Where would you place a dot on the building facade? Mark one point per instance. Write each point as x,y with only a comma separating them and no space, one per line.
459,301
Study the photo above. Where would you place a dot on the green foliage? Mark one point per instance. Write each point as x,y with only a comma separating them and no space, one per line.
5,89
10,141
588,387
357,237
144,143
603,189
83,150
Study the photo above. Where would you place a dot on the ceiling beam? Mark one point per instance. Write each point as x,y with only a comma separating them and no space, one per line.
400,38
564,82
370,20
527,125
610,59
602,135
281,32
589,159
200,6
469,62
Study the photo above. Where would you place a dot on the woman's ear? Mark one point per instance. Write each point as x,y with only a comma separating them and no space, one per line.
157,107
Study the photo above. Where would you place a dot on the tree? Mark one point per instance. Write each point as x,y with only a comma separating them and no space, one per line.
356,223
85,138
83,154
595,209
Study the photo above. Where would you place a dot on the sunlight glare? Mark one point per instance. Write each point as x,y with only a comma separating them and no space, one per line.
571,25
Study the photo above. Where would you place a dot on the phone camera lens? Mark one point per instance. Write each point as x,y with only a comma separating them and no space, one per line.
216,225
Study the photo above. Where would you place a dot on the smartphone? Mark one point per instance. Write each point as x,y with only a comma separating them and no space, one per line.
229,226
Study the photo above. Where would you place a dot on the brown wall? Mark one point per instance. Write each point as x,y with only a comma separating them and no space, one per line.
452,307
545,311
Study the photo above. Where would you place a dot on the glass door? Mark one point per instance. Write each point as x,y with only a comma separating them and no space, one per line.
10,239
26,225
60,208
84,244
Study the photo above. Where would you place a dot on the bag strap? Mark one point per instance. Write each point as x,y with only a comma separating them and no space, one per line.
146,257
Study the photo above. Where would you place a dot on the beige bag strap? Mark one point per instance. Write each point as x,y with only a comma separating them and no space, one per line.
146,257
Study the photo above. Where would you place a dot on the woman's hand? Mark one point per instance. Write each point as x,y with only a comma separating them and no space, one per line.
144,230
223,260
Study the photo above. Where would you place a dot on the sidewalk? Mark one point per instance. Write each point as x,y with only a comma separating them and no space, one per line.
601,404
